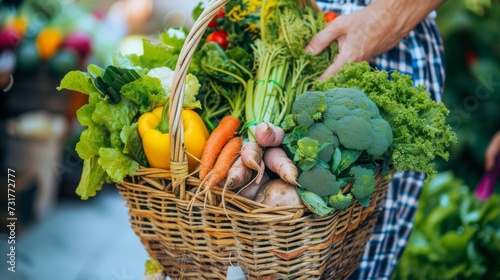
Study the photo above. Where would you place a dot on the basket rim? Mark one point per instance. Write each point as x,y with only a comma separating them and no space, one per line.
237,203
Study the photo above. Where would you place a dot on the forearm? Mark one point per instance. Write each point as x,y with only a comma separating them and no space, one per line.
402,15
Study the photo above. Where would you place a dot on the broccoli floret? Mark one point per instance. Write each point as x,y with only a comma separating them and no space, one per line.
288,122
380,128
320,181
356,120
307,151
352,99
364,184
320,132
353,132
304,118
340,201
309,107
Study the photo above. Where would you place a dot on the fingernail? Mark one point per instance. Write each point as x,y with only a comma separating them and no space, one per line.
308,49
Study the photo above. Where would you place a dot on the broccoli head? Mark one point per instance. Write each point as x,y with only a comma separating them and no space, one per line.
340,201
364,184
309,107
320,181
357,122
419,127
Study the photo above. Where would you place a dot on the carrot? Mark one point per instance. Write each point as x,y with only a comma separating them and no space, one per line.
268,134
219,137
277,161
226,159
238,175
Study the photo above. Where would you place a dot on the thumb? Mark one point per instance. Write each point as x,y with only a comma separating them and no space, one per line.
339,61
325,37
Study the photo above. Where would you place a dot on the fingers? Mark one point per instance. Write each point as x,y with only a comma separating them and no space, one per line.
339,61
325,37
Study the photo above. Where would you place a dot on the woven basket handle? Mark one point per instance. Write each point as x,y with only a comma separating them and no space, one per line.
178,159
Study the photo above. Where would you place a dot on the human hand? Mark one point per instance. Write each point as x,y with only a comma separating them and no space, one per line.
492,152
370,31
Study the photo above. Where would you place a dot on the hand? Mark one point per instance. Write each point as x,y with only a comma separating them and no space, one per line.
370,31
492,152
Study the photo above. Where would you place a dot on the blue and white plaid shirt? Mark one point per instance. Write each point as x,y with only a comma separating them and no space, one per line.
420,54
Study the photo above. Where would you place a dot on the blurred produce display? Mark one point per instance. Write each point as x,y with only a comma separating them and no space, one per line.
61,35
471,34
455,236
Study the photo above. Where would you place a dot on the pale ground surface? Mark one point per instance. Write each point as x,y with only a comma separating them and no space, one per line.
79,240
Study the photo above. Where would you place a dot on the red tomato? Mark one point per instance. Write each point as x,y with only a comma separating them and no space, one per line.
213,22
330,16
219,37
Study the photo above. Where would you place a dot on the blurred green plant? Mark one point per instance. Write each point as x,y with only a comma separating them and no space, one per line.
471,35
455,236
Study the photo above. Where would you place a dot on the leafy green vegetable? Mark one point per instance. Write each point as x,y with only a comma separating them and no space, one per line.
114,116
92,179
101,144
146,92
455,236
226,74
314,202
137,83
347,158
133,144
91,140
116,164
77,81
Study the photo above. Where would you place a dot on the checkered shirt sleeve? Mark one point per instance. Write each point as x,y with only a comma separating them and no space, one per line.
420,54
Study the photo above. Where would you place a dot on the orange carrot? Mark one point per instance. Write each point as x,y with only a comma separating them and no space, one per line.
225,160
219,137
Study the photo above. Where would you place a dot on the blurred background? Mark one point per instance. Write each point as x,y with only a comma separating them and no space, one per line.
58,236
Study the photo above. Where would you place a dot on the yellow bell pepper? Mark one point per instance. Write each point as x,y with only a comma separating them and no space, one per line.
156,141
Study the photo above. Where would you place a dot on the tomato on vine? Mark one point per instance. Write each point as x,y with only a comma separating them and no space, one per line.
219,15
219,37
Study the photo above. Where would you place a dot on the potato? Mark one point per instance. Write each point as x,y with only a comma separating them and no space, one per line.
278,193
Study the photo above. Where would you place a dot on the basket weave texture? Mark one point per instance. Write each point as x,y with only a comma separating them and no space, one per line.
199,241
198,237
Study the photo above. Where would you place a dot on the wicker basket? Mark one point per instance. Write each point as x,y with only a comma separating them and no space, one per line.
198,237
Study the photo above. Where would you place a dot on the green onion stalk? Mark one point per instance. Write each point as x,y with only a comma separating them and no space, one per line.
283,69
